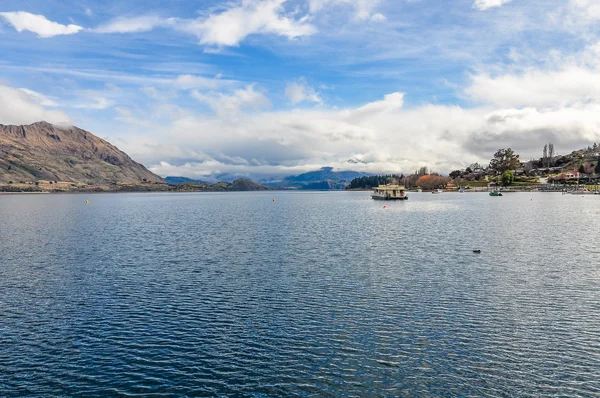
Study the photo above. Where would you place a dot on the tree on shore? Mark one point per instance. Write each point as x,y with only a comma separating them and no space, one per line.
548,155
374,181
504,159
423,171
597,169
455,174
432,181
508,178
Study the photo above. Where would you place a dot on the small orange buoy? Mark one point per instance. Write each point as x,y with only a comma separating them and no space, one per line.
86,202
385,207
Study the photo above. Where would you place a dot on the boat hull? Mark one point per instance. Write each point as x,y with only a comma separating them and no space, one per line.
387,199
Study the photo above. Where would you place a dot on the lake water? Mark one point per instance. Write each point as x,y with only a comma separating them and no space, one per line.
315,294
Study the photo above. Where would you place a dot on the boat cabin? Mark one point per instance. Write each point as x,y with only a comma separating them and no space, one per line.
390,192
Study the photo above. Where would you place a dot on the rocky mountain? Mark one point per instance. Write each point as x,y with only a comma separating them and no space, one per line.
242,184
42,151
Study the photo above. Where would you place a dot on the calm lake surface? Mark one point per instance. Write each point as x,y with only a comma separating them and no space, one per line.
315,294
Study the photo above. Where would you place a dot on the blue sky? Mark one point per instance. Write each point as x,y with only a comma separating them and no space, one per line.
265,88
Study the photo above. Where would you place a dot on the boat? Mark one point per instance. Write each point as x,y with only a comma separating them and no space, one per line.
437,191
390,192
495,193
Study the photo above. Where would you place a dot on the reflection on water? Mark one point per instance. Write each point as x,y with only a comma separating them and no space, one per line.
321,294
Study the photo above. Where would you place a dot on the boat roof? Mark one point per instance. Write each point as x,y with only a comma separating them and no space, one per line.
391,186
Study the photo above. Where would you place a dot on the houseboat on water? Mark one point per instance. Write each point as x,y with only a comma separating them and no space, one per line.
389,192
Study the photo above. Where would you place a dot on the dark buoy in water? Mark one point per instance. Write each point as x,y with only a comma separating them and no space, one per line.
477,251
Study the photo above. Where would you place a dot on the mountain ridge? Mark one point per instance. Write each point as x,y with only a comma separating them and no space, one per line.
174,180
323,179
239,185
44,151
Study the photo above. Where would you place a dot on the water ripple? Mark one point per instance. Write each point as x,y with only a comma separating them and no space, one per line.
313,295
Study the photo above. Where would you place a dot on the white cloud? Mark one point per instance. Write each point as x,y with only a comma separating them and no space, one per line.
40,98
363,9
18,106
96,103
233,25
230,105
226,28
536,87
590,9
487,4
192,81
390,102
382,135
299,91
378,18
38,24
577,16
131,25
182,82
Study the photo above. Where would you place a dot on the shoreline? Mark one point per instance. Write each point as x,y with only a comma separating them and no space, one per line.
25,192
273,190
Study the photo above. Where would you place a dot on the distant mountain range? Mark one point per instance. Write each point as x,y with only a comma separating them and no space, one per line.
324,178
241,184
181,180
